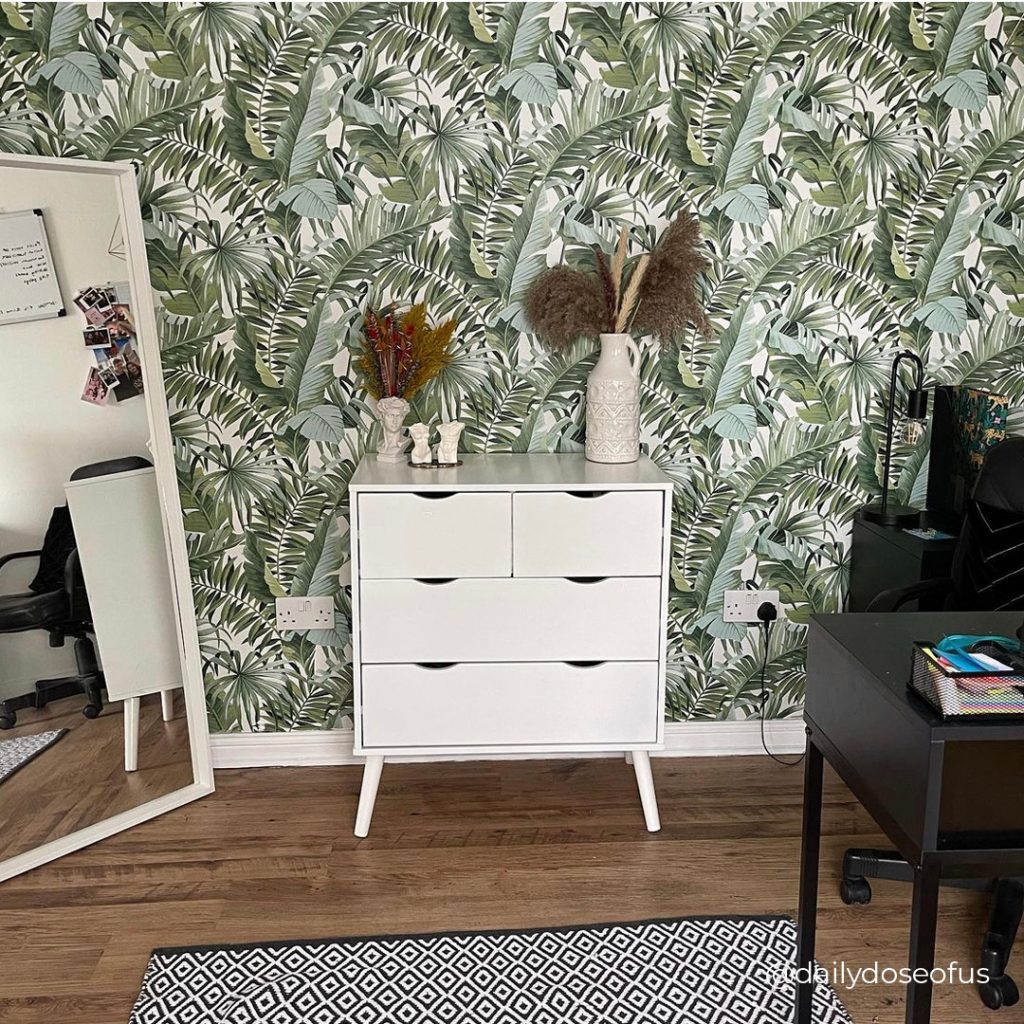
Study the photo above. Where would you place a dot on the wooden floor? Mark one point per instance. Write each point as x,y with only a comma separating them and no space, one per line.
81,780
469,845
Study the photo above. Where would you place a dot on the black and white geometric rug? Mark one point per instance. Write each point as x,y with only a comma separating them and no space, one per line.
679,971
17,753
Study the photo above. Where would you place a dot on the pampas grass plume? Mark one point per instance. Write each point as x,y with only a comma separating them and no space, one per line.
668,299
563,305
619,262
636,279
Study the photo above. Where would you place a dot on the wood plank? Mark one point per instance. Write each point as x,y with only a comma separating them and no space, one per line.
462,845
81,780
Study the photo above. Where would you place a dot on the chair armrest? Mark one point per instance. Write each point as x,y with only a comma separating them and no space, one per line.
894,599
70,572
4,559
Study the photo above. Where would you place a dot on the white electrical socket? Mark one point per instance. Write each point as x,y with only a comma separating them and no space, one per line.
300,613
742,605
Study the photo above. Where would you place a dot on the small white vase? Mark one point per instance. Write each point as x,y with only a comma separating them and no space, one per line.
613,402
392,412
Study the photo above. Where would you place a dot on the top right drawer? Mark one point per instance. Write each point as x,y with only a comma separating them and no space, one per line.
587,533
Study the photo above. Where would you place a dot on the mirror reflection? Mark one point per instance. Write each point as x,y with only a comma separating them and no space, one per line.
92,718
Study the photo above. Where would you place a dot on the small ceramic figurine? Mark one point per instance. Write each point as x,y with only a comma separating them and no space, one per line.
392,413
448,449
420,434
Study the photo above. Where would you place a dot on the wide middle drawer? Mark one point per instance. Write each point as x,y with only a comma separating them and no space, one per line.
509,704
615,619
431,534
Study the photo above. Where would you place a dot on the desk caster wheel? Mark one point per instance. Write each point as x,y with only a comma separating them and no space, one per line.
91,711
999,992
854,891
7,721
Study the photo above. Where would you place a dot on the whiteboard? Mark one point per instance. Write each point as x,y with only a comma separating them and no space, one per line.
28,282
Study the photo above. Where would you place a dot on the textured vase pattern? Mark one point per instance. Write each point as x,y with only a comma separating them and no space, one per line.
613,420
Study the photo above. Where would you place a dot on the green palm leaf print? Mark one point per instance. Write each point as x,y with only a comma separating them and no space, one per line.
855,168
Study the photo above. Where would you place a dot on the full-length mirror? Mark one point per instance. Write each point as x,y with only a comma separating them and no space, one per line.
101,709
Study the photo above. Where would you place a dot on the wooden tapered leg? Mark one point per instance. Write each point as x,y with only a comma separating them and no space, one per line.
645,783
131,734
368,793
167,704
629,757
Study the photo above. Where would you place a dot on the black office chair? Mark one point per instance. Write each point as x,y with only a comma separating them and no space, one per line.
56,602
987,575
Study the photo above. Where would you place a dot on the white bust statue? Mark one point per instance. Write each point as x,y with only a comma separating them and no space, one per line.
392,412
420,434
448,449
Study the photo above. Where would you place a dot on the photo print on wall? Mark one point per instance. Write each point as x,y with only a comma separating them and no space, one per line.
110,335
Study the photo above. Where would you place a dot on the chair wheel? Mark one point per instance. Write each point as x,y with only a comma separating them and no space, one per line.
999,992
91,711
853,891
7,721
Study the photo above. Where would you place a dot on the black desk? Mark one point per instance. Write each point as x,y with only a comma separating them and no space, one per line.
923,781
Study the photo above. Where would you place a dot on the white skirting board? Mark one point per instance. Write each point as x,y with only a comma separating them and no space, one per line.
334,746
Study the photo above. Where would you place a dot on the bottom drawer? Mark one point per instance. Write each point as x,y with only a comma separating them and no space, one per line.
501,704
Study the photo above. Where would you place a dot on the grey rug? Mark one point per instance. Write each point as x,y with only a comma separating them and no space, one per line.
17,753
679,971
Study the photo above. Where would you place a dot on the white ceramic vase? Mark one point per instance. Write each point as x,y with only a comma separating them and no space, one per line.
392,412
613,402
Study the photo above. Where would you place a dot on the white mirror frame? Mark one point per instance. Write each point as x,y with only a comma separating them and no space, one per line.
162,448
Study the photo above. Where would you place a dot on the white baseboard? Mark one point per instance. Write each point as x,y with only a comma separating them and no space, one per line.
334,746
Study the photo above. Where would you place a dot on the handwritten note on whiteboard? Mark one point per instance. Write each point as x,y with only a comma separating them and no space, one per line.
28,284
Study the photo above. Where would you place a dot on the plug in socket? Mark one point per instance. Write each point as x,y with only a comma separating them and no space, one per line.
742,605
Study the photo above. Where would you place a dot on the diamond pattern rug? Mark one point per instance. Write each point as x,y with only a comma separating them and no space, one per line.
682,971
17,753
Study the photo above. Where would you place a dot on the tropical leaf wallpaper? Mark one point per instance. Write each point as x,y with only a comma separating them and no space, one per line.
857,171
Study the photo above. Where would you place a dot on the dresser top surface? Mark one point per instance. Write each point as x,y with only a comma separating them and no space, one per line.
539,471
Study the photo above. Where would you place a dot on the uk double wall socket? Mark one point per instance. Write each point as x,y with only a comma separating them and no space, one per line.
742,605
299,613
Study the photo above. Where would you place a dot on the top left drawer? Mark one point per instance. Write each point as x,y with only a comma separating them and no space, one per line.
435,535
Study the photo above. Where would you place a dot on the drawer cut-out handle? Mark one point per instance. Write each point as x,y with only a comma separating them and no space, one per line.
585,664
435,665
440,581
586,494
435,495
586,579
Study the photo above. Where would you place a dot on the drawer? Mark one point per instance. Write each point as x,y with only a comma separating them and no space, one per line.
510,620
588,533
440,534
509,704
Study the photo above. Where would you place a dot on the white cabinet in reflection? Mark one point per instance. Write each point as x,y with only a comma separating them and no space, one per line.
123,553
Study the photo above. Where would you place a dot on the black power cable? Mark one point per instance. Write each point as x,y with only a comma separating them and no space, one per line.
766,615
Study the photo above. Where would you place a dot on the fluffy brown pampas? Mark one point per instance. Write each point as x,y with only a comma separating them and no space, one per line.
658,297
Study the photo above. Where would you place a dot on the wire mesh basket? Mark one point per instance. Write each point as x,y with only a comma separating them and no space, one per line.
965,696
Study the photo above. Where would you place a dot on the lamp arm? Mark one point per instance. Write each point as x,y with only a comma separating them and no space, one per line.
890,419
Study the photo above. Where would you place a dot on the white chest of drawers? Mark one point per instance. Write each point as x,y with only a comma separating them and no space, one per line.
514,604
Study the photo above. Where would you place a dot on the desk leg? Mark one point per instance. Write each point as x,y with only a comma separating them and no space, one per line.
808,910
923,917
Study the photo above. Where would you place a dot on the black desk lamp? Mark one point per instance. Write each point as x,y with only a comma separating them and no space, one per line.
913,430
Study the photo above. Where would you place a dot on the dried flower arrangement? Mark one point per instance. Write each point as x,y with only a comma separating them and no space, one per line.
402,352
659,297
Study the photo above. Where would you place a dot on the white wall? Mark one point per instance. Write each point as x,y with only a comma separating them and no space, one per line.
46,431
